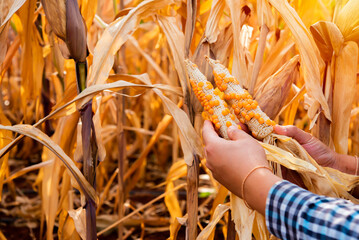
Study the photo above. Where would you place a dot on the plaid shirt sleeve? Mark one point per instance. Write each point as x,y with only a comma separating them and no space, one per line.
294,213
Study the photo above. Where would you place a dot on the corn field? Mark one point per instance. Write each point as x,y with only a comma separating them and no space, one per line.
100,127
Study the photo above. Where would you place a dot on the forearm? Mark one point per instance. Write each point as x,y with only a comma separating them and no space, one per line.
257,187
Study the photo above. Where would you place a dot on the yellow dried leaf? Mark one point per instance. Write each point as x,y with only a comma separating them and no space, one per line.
5,138
343,94
88,11
175,39
221,209
328,38
212,29
79,217
39,136
311,62
347,20
239,68
116,35
190,141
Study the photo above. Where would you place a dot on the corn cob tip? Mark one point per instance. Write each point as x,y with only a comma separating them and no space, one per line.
211,61
190,65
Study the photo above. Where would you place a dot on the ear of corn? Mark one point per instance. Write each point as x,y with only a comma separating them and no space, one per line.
245,108
211,100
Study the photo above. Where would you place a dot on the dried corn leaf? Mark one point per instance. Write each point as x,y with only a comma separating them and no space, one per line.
292,155
239,68
176,41
190,24
190,141
271,95
92,91
116,35
79,217
264,14
31,71
5,138
278,53
347,21
7,9
88,11
328,39
242,216
25,170
343,94
55,11
212,26
67,228
221,209
39,136
311,62
177,170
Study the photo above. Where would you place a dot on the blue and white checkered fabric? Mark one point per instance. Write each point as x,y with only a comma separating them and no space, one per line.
294,213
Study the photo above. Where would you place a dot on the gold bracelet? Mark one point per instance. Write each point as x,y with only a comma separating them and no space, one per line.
242,188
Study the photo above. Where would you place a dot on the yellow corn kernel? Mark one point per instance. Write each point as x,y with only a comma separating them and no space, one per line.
200,84
209,85
221,75
216,91
225,112
228,124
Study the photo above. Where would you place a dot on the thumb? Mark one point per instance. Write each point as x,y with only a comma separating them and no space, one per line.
234,133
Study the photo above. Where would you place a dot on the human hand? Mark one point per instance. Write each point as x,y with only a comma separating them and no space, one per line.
320,152
233,161
230,161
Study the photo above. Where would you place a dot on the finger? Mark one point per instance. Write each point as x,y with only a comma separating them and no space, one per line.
294,132
208,133
244,127
234,133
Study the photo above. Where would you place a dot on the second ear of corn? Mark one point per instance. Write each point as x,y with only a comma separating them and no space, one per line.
229,91
211,100
246,109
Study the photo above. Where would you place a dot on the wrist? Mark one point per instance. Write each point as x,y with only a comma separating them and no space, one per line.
256,188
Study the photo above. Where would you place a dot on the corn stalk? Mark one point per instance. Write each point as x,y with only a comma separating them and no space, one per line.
66,20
